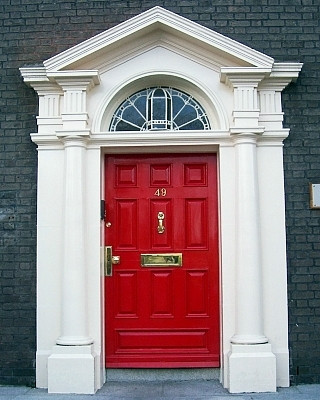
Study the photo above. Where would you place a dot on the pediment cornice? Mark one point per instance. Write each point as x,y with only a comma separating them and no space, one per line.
153,20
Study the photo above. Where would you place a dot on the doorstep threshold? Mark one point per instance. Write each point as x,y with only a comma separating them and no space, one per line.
161,374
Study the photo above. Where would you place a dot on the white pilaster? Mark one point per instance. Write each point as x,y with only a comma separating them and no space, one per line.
252,365
74,308
71,366
249,326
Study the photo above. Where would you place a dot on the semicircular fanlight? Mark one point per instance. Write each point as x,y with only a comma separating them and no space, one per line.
159,108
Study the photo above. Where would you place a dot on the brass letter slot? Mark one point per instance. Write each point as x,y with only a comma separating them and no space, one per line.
161,260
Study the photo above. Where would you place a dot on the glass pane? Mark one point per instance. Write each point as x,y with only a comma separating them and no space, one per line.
177,104
124,126
159,93
188,113
140,104
194,125
131,114
159,109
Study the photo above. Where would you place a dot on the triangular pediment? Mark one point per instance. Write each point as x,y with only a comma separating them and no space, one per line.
157,27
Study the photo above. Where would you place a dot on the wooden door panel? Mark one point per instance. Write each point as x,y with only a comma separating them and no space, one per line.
160,175
161,306
126,216
195,174
162,316
173,341
163,240
196,221
126,175
197,289
126,296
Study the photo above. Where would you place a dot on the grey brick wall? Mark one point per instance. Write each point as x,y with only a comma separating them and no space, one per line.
302,166
34,30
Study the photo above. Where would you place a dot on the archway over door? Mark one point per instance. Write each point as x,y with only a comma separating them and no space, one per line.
79,91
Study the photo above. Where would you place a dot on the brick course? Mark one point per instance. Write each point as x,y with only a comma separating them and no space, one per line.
34,30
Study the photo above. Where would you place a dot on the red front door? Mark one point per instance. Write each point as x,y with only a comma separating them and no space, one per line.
162,211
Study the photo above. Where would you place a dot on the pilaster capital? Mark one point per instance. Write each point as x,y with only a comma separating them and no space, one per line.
40,79
37,78
243,76
75,80
75,85
34,74
281,75
245,81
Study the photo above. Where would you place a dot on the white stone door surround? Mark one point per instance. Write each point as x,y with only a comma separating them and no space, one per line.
240,89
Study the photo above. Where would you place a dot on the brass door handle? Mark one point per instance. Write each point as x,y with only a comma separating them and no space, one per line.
161,227
115,259
109,260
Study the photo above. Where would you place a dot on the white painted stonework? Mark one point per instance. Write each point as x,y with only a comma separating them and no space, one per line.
240,89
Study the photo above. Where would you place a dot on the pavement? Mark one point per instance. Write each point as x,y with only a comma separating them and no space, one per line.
163,390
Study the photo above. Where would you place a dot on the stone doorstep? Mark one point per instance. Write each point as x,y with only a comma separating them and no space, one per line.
161,374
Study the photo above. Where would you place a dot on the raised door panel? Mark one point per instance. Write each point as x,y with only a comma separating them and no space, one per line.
161,210
160,175
126,294
196,223
197,289
127,228
162,294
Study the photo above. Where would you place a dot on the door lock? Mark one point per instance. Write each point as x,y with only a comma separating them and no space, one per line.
109,260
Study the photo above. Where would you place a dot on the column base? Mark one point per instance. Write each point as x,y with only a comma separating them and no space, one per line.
71,369
252,368
42,368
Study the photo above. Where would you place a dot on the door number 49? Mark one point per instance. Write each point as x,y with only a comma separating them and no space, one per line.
161,192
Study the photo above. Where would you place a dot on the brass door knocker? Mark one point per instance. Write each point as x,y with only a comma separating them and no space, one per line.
161,228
